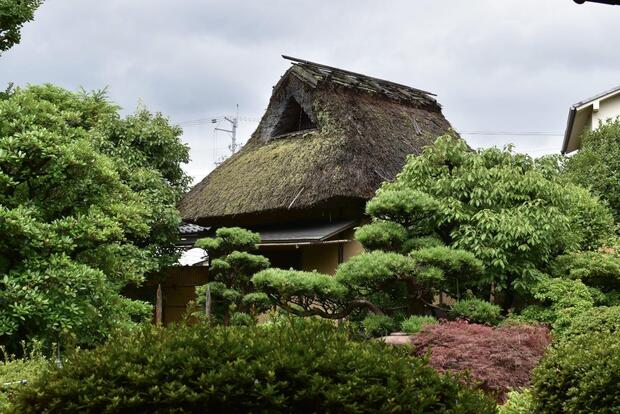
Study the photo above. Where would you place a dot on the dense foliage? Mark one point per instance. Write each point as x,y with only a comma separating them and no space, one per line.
231,266
513,213
597,269
13,15
476,311
87,205
300,367
517,402
596,165
379,325
557,302
579,376
600,319
415,323
501,359
18,372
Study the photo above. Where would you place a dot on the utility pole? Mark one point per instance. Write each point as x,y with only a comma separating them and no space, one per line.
234,122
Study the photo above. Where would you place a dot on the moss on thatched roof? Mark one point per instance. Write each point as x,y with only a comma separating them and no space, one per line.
361,139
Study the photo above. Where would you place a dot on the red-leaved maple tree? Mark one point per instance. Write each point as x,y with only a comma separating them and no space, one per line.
500,359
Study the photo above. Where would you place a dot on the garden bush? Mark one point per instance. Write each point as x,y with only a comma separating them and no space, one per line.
597,269
579,376
18,372
601,319
476,311
302,367
379,325
518,402
501,359
557,302
415,323
241,319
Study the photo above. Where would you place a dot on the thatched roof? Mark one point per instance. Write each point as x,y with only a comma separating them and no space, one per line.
327,135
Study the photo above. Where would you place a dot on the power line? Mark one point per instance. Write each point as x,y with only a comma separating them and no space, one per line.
513,133
209,120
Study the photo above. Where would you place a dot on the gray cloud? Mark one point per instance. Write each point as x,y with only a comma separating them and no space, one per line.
510,65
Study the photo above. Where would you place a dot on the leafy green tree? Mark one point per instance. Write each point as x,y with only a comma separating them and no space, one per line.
87,205
596,165
448,212
557,302
13,15
231,266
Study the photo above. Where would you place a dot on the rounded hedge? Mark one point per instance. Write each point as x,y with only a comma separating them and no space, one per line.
379,325
518,402
578,376
415,323
476,311
301,367
602,319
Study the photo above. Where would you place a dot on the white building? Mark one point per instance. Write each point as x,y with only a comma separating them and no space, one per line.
588,114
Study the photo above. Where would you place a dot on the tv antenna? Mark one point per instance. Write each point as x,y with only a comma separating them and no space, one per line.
234,122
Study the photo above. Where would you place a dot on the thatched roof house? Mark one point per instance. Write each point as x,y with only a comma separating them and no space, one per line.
327,140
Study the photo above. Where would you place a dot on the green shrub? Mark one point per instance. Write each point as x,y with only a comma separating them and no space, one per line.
379,325
382,235
597,269
610,299
257,301
601,319
559,301
518,402
18,372
241,319
305,366
476,311
579,376
423,242
415,323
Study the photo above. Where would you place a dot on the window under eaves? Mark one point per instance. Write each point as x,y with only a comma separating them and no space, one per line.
293,119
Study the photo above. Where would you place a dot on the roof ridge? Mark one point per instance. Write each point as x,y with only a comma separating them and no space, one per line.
596,97
362,81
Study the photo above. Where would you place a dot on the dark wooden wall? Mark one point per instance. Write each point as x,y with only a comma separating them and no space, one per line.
178,289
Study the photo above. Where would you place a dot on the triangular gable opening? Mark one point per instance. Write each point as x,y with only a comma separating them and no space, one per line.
293,119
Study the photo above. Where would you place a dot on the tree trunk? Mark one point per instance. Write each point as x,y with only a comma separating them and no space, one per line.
509,296
415,304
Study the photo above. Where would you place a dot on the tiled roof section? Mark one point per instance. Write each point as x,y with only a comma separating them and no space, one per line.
312,73
305,233
596,97
189,228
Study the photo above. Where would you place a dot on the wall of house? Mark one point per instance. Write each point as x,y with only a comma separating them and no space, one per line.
325,258
609,109
179,289
351,249
320,257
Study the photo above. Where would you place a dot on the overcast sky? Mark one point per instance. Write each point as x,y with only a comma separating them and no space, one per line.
496,65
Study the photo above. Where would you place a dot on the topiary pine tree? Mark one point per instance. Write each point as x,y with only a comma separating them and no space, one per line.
231,266
449,211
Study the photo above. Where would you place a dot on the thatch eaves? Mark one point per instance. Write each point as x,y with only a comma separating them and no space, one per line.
328,138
